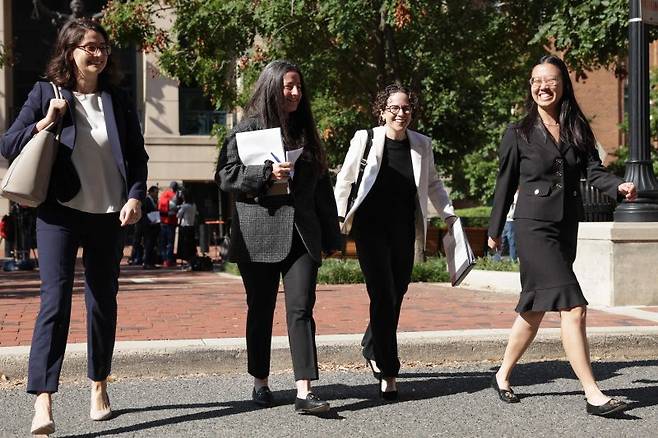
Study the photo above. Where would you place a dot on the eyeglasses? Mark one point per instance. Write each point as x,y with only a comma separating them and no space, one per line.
551,81
93,49
394,109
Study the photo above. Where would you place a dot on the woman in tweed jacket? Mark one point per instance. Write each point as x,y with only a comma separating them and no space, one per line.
281,225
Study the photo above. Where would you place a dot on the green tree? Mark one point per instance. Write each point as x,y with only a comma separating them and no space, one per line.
469,60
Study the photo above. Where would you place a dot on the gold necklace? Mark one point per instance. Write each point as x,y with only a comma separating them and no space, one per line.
550,124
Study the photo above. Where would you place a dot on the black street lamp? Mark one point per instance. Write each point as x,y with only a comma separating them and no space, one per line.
638,167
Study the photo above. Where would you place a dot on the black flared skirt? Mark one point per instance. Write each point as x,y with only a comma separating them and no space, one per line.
547,251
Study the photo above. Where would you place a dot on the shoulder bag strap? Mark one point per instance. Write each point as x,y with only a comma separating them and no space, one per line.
58,95
362,166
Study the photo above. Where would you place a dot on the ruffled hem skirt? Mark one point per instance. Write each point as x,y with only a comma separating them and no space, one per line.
547,251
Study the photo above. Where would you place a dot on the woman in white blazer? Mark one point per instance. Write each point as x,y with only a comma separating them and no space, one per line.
387,218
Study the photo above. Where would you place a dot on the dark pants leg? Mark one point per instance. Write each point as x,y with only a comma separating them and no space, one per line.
137,252
151,233
101,258
60,231
300,273
386,259
261,281
58,238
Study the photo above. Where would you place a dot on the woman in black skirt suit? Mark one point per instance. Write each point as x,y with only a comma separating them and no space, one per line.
544,155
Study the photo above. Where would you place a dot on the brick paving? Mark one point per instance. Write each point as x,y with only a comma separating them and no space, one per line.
171,304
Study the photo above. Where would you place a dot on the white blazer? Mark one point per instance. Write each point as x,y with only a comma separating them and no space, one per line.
428,185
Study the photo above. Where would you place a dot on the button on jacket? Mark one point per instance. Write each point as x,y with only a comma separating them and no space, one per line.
429,186
548,178
262,225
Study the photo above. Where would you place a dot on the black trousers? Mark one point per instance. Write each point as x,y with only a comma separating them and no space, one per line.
151,252
60,231
261,282
386,257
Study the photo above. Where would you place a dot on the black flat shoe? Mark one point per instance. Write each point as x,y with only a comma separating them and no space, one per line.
262,397
312,404
376,374
613,405
506,395
389,396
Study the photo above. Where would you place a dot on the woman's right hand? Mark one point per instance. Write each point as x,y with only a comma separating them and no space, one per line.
494,243
56,110
281,171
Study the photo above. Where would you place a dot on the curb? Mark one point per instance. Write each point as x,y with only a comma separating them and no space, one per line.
208,356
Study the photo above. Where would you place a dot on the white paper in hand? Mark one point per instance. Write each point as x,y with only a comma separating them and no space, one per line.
459,255
255,147
292,156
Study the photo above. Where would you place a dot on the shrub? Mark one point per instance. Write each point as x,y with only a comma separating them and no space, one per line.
491,264
340,271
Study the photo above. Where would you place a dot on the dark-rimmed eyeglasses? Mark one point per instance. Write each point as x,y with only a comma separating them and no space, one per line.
394,109
93,49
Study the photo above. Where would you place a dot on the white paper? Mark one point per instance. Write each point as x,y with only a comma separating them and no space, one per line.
254,147
153,217
292,156
459,255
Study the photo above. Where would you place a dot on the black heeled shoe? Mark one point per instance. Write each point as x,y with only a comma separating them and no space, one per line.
376,374
610,407
388,396
506,395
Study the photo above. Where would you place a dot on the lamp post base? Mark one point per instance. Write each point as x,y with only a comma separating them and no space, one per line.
641,210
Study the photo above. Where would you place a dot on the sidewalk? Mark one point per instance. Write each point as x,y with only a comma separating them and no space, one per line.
205,312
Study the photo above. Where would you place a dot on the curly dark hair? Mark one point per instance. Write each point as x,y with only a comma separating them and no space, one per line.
61,68
381,101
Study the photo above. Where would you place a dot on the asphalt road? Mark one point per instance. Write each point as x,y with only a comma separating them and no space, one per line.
450,401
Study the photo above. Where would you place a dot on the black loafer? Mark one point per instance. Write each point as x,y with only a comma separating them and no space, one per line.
506,395
613,405
262,397
312,404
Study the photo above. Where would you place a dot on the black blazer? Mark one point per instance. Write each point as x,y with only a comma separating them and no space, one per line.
123,131
262,226
548,178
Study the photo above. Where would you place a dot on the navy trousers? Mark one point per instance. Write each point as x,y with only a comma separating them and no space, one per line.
60,232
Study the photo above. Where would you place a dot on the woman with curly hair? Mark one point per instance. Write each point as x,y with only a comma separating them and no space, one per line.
96,188
388,218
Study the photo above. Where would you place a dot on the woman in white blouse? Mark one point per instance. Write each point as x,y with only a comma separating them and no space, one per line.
96,188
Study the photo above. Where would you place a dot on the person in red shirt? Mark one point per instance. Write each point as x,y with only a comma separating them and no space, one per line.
168,207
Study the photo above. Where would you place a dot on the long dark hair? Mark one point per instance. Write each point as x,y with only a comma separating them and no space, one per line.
574,127
297,128
61,67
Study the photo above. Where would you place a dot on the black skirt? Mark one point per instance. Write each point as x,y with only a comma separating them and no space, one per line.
547,251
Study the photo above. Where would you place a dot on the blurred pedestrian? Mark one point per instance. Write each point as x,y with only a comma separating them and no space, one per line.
544,155
96,188
186,221
152,229
168,206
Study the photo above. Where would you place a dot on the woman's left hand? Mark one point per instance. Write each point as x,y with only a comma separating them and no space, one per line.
628,190
131,212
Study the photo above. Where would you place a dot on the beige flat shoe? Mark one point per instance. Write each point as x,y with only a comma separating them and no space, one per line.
40,427
101,414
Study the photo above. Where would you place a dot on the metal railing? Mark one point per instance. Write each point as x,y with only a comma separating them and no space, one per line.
598,207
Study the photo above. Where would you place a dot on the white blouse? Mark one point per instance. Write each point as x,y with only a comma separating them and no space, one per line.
101,181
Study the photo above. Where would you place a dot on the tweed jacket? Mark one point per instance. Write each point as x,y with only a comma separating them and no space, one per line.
548,178
123,131
262,225
429,186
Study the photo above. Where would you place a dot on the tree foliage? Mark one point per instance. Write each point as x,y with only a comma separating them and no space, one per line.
469,60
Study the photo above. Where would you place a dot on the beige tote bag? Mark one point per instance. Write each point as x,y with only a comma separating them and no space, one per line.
26,181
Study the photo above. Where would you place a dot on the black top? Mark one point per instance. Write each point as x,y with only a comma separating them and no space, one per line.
393,194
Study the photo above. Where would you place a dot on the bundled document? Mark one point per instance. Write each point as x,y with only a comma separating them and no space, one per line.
459,255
